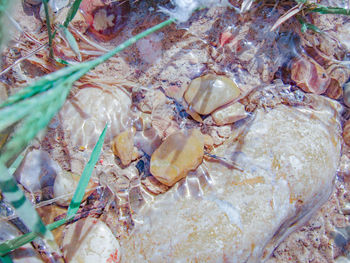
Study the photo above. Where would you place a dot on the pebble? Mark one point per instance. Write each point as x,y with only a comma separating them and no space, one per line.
90,240
334,90
123,146
148,140
51,213
309,75
346,132
37,171
85,115
347,94
229,114
207,93
346,209
65,186
176,156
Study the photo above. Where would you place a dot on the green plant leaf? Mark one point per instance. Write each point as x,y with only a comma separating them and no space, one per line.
12,169
72,12
6,259
74,205
330,10
24,208
48,25
305,26
34,122
54,89
71,41
85,177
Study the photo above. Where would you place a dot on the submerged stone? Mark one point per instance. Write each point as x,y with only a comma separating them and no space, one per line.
229,114
123,146
309,75
24,254
85,115
176,156
65,186
287,160
207,93
90,240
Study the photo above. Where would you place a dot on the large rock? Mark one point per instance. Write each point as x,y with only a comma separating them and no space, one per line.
288,156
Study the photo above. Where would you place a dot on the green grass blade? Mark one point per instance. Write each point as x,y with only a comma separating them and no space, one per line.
12,169
61,81
33,123
85,177
48,25
331,10
10,245
24,208
6,259
27,92
12,114
71,41
45,83
305,26
129,42
17,242
71,13
49,80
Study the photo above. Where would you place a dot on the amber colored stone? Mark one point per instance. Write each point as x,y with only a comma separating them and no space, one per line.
176,156
207,93
123,146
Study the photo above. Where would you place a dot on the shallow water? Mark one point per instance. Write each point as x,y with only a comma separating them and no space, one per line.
143,88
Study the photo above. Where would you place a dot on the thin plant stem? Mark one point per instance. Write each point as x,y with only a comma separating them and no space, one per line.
48,25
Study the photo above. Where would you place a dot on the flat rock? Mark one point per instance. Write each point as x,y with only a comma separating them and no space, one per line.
207,93
176,156
288,158
89,241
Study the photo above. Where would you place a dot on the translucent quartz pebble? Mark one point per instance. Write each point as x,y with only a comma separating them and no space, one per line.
37,171
207,93
25,254
229,114
176,156
89,241
86,114
288,158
